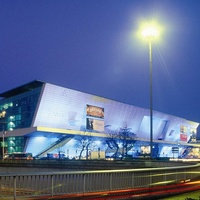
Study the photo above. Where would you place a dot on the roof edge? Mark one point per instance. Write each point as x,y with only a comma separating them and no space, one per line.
21,89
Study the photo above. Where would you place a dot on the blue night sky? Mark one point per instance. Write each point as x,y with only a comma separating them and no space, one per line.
92,46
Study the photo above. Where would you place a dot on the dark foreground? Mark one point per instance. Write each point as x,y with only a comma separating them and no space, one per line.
195,195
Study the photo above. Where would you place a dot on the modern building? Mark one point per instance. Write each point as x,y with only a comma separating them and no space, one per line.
43,118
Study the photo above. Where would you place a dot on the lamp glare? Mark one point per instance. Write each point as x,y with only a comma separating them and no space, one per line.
150,32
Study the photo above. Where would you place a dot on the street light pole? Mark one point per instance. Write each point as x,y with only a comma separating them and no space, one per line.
151,99
150,33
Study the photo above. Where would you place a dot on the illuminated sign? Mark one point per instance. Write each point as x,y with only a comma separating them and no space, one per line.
95,111
94,124
145,149
183,129
183,137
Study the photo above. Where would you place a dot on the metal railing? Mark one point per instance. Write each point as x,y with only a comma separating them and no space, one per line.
16,186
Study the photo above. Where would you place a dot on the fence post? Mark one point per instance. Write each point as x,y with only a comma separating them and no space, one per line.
110,181
84,183
132,180
52,183
15,185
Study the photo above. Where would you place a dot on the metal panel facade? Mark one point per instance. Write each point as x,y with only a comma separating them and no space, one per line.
67,109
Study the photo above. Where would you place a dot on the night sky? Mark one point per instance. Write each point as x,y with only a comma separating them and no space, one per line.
93,46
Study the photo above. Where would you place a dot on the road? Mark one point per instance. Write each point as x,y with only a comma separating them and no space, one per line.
168,192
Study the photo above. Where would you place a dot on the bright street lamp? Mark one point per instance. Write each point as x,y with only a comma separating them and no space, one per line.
150,33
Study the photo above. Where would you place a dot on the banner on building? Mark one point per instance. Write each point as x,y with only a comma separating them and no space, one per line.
183,129
183,137
94,111
94,124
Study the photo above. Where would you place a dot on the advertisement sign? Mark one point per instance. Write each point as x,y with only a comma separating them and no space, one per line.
183,129
94,124
183,137
94,111
145,149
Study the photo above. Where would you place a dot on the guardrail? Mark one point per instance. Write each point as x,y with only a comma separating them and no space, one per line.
17,186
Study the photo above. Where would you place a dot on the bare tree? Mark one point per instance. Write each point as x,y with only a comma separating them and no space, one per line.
112,143
124,137
85,143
